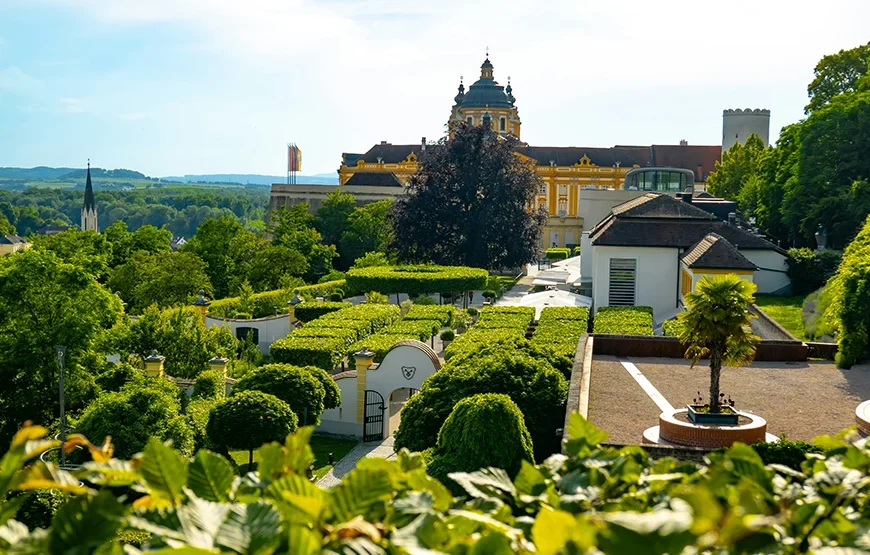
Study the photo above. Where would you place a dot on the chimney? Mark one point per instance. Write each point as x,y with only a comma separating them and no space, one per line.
423,144
732,218
686,197
684,142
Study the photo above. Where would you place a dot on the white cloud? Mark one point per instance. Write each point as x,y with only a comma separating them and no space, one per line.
12,79
70,105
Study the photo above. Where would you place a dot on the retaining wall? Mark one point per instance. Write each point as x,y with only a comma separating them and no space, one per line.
670,347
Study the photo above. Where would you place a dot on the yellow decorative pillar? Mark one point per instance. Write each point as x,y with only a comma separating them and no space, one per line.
363,360
218,364
154,365
291,306
200,305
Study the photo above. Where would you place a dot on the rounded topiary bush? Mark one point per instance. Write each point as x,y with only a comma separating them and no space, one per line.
447,335
210,384
482,430
296,386
249,419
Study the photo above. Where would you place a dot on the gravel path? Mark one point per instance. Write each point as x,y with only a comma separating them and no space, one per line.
802,400
383,450
617,404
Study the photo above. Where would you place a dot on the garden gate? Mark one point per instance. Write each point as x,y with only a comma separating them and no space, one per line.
373,417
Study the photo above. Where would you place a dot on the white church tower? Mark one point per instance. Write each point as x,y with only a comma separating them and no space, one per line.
89,210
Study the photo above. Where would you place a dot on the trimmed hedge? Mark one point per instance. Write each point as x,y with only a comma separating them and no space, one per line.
380,343
672,328
443,314
576,251
296,386
210,384
326,349
264,303
417,279
307,312
420,329
554,254
624,320
560,328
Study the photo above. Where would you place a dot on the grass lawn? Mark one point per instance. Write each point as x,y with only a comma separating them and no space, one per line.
785,310
322,447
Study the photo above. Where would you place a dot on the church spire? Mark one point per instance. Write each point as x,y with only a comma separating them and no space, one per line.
89,190
486,67
89,210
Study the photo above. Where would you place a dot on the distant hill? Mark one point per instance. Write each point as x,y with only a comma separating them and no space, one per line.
100,172
255,179
34,174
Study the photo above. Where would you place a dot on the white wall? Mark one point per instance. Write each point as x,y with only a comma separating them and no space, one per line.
342,420
766,278
270,329
657,278
585,257
594,206
388,376
738,124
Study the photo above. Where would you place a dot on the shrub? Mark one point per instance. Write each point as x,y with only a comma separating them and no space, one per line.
672,328
482,430
447,335
477,338
444,314
333,275
555,254
37,511
424,300
332,393
197,414
335,328
472,311
577,251
489,294
323,352
295,386
210,384
336,297
249,419
785,452
533,384
243,316
809,270
419,279
624,320
141,410
116,376
373,297
307,312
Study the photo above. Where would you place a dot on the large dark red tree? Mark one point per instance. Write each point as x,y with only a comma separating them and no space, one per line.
470,204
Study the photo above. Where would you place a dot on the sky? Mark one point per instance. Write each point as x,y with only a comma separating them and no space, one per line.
172,87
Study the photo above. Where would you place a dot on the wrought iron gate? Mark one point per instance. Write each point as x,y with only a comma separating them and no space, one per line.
373,417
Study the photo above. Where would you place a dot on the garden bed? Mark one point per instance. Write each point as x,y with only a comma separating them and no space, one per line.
787,311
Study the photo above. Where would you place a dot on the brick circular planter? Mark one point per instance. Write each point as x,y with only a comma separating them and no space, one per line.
677,432
862,417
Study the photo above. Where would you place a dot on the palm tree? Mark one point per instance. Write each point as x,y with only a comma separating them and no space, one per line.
718,324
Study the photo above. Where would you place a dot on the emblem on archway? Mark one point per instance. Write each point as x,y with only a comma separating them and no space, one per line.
409,371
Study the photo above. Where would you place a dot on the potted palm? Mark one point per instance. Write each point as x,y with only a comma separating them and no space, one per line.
717,325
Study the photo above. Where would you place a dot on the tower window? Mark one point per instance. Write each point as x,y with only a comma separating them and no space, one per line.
470,120
502,124
542,189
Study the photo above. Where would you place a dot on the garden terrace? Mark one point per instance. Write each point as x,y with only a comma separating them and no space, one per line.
560,328
496,323
623,320
417,280
443,314
309,311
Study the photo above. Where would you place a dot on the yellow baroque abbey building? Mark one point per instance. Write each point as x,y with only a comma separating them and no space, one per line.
564,171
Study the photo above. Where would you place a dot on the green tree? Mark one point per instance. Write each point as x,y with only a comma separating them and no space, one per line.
87,249
331,220
292,228
150,239
120,238
250,419
739,167
848,311
369,230
45,302
836,74
482,431
273,263
6,228
212,244
717,325
178,334
140,411
468,204
370,259
163,279
296,386
210,384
